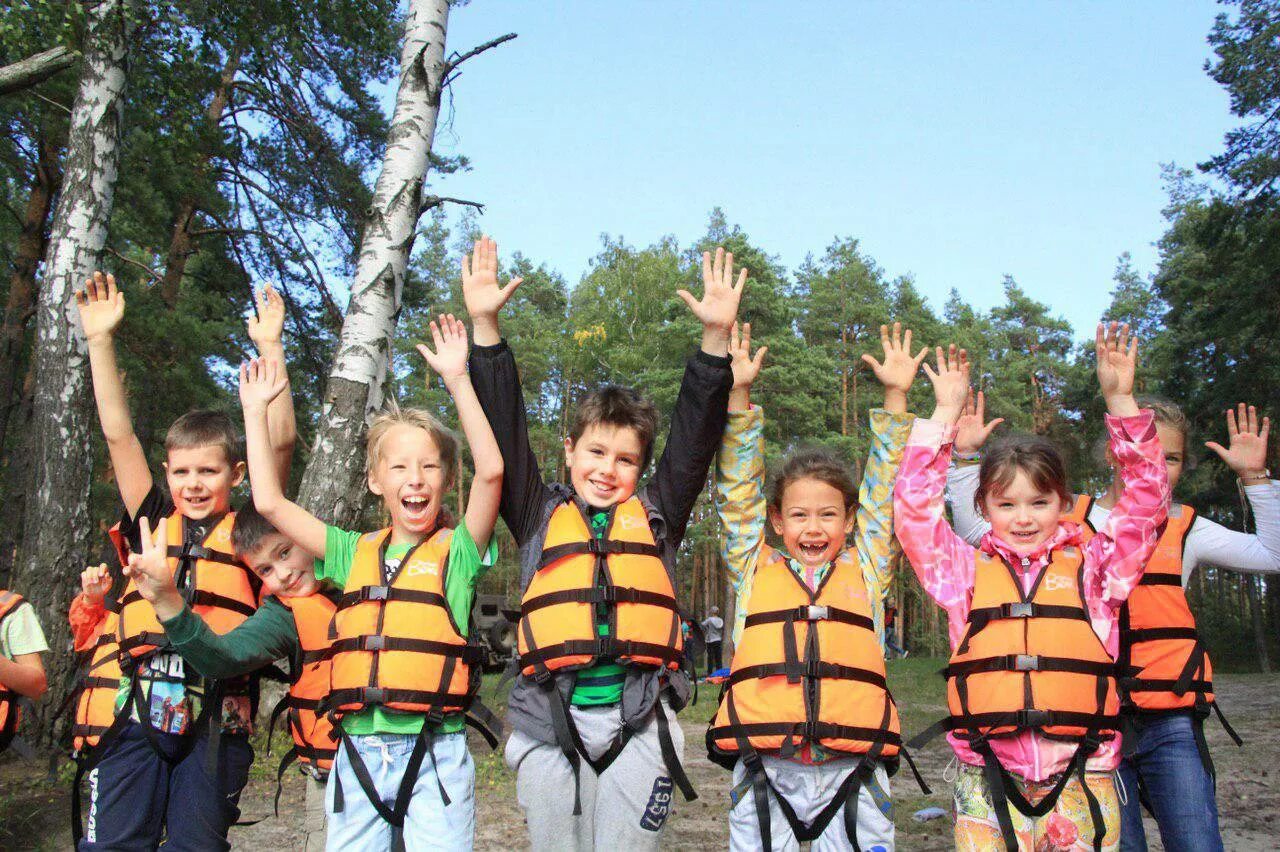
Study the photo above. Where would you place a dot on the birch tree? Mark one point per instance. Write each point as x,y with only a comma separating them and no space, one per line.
333,485
57,518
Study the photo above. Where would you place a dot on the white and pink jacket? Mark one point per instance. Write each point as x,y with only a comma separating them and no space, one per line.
1113,561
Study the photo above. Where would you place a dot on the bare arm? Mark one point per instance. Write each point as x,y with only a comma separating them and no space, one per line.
101,307
260,382
450,360
266,330
24,674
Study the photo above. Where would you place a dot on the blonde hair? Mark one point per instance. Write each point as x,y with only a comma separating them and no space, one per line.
445,440
1167,413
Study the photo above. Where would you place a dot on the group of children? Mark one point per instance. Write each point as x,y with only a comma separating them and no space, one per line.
1073,650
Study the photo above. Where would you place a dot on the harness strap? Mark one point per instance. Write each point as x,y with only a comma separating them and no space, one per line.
809,613
565,738
813,669
1029,663
384,594
596,547
1160,579
394,813
470,654
669,756
285,762
605,646
366,696
609,594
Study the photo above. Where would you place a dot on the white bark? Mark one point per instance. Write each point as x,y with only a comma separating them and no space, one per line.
57,517
333,485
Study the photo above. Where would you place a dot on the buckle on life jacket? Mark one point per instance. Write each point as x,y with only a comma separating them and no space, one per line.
1032,718
812,613
374,593
1017,609
1026,663
373,695
376,642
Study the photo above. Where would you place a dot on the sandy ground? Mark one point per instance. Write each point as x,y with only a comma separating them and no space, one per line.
34,815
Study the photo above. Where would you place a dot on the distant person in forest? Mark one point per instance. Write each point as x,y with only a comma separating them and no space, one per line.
891,645
600,647
22,676
1167,767
713,634
149,778
806,723
404,675
1034,612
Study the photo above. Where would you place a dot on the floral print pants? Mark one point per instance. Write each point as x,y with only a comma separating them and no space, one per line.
1068,826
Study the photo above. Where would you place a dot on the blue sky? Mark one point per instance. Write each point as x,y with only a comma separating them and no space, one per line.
958,141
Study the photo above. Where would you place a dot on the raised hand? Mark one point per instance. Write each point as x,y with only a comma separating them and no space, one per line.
266,325
718,308
1117,359
1246,450
972,430
150,572
101,306
261,380
449,359
746,367
480,290
899,368
950,383
95,582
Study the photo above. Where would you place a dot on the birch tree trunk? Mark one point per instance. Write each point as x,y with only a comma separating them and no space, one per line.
57,512
333,485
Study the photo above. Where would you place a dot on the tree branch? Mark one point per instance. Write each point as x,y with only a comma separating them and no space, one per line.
35,69
431,202
458,58
151,273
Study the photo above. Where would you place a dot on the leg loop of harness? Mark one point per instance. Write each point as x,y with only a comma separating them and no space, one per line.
669,756
565,735
285,762
924,787
1226,726
760,794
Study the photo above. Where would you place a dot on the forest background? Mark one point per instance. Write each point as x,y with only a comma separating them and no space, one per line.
248,143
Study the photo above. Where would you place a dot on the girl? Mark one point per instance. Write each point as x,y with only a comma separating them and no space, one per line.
1033,614
1167,765
806,722
403,671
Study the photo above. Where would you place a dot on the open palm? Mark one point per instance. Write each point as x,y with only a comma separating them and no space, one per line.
101,306
1246,450
718,307
480,290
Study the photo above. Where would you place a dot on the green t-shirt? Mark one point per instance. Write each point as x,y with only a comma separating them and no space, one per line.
465,568
602,683
20,633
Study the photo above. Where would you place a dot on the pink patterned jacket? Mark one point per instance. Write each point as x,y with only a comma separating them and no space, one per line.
1113,561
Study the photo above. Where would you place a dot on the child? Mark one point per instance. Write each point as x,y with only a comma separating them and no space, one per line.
293,622
806,626
1167,766
149,763
1033,614
403,671
599,634
22,675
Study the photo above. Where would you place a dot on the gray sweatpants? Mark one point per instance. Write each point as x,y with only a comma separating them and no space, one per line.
809,789
624,808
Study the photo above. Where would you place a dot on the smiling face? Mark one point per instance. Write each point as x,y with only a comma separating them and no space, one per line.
604,463
286,570
1021,515
200,480
812,520
410,478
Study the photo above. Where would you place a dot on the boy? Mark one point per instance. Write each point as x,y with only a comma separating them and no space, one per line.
21,669
599,632
149,768
293,622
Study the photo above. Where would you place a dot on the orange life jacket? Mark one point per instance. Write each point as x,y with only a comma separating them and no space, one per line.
314,744
583,580
396,644
9,715
223,591
98,687
808,669
1158,637
1031,662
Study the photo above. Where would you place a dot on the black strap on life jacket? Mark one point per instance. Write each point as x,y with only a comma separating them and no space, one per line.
394,813
575,751
1003,788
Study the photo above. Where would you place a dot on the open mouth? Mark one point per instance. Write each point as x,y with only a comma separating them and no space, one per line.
602,488
198,504
1025,537
415,507
812,550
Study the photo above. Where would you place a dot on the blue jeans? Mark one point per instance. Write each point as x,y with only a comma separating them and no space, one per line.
135,795
1179,787
429,824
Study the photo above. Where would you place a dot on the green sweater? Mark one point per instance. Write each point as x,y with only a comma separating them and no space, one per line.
270,633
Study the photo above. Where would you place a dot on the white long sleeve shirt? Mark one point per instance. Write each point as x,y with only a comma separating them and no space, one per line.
1208,543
